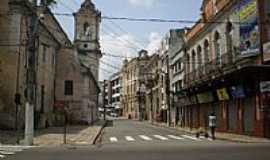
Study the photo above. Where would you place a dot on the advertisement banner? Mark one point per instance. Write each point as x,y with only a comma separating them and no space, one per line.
237,92
265,86
249,29
223,94
205,97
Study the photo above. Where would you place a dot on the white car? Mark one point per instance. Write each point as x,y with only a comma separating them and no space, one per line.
114,114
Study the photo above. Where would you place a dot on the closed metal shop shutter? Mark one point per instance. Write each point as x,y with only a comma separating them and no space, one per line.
232,112
249,105
217,112
194,116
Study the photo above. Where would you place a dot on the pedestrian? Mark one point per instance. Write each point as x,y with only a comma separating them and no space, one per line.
212,124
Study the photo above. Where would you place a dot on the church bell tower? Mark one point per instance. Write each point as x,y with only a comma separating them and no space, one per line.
86,38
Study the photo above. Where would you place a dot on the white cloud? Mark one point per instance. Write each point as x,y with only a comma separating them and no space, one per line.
154,42
124,46
143,3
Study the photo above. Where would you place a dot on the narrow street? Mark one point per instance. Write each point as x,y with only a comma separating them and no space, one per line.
132,140
135,133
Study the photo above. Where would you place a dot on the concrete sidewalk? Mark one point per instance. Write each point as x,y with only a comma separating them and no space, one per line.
76,135
220,135
53,136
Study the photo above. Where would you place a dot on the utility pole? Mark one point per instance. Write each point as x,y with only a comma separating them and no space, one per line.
104,98
168,91
151,96
31,77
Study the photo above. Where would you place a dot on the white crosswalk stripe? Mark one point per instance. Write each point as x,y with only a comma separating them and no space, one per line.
190,137
113,139
6,150
175,137
161,137
157,137
145,138
129,138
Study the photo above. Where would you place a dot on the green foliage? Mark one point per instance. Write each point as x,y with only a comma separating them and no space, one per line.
51,2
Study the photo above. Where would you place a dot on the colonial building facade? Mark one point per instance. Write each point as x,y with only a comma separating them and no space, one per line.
54,56
133,86
15,24
224,70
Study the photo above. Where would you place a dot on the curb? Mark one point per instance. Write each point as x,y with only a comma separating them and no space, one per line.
217,137
99,133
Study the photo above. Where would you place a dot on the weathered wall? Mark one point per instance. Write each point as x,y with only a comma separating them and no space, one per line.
13,29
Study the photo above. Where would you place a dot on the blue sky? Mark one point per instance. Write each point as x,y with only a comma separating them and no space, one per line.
131,36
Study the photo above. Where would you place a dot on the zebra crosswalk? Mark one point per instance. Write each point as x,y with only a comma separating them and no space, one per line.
156,137
6,151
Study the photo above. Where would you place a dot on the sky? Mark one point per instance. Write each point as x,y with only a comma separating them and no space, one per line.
126,38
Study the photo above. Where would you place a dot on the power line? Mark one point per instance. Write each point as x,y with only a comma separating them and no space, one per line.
142,45
117,36
155,20
116,56
66,6
110,65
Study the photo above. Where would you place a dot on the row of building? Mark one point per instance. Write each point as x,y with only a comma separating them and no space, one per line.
37,56
220,65
110,96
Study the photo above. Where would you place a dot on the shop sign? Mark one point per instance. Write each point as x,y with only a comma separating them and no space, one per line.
237,92
266,50
205,97
184,101
265,86
266,47
223,94
249,29
193,100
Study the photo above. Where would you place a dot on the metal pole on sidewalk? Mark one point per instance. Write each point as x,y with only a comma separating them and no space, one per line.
104,98
31,75
168,92
65,129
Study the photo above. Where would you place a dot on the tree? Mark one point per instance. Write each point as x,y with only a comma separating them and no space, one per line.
49,2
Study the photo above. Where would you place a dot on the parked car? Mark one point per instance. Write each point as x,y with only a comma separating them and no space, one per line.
113,114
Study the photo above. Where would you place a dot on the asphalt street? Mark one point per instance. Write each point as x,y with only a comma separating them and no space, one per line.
132,140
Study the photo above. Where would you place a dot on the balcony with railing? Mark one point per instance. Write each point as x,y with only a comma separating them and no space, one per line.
215,68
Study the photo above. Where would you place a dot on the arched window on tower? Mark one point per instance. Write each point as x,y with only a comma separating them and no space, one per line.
86,30
217,47
85,27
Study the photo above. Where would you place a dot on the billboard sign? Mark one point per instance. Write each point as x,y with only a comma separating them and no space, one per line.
223,94
249,28
205,97
237,92
265,86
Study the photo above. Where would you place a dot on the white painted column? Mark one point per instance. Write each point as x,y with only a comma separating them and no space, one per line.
29,124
